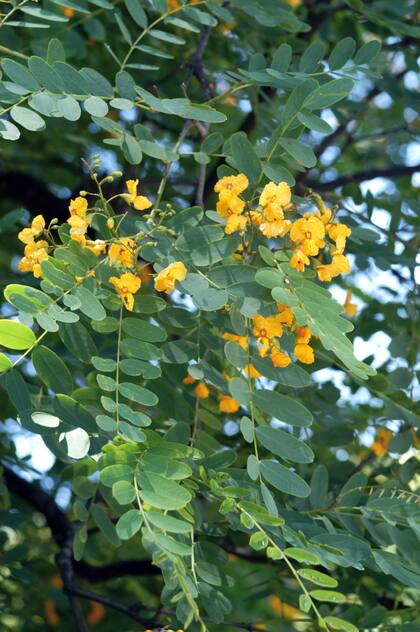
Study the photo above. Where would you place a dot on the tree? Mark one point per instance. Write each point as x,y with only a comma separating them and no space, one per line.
205,204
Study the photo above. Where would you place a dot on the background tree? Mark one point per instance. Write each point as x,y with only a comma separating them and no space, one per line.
200,475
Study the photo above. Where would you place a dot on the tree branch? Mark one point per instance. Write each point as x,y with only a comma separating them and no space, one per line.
397,171
61,528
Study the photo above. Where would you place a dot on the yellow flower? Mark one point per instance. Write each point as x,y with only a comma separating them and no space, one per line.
256,218
325,272
324,214
349,307
380,445
165,280
339,233
27,235
140,202
189,379
285,314
230,206
236,223
79,226
34,254
38,225
78,206
274,198
282,609
97,247
122,252
232,185
252,371
265,329
227,404
299,260
201,391
240,340
279,358
277,228
304,353
126,285
303,334
340,264
309,232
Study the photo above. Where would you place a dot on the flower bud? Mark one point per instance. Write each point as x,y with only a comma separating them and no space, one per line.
110,223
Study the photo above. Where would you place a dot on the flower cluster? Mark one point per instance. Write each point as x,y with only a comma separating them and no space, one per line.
122,252
306,236
35,252
227,404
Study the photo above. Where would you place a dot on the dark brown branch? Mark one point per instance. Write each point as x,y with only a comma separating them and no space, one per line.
61,527
398,171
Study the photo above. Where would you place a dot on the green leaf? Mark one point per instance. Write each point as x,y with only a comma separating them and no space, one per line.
123,492
341,53
96,106
170,544
137,12
283,408
55,51
282,58
20,75
117,473
45,75
194,111
5,363
239,390
78,341
283,444
167,37
311,121
301,152
168,523
367,52
244,157
247,429
162,493
329,93
296,102
328,595
129,523
131,150
105,525
301,555
52,370
340,624
318,578
284,479
73,413
14,335
138,394
143,330
69,108
28,119
311,57
89,304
